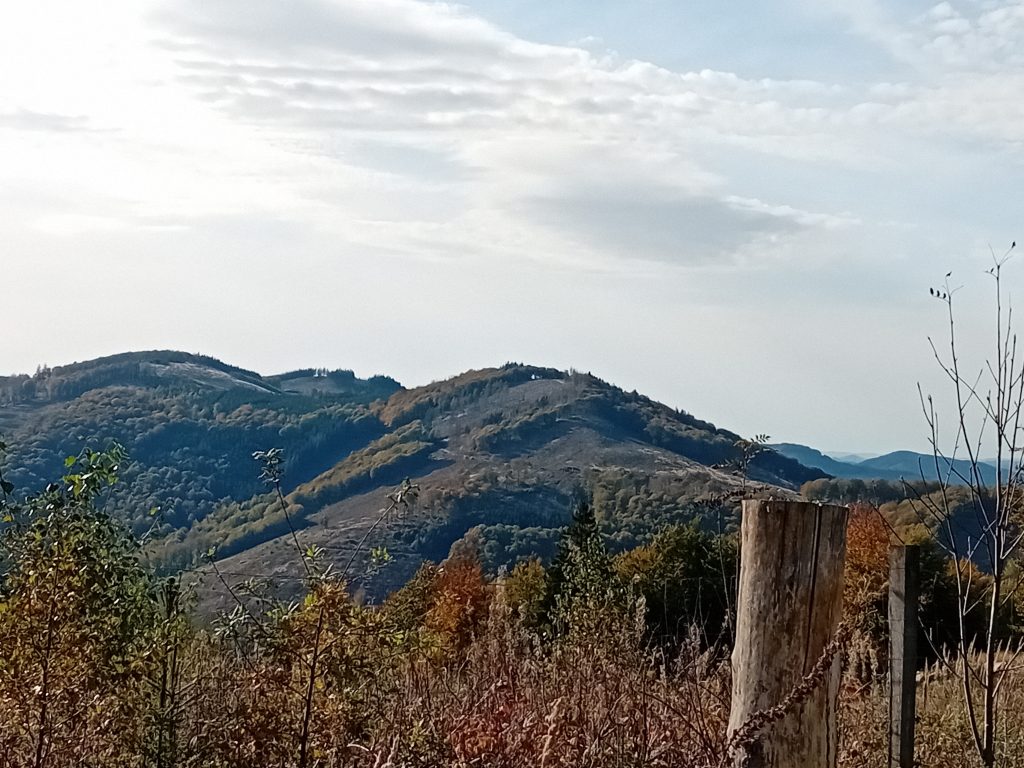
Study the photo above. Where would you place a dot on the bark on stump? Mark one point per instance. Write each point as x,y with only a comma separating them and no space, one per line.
789,607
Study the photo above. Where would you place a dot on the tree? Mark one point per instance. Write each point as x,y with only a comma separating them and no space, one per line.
989,406
461,597
76,614
308,639
524,591
686,577
581,575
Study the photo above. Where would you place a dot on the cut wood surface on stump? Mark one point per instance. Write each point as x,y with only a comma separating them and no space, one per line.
790,603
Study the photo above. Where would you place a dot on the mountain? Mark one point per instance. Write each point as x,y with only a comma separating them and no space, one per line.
811,457
497,454
906,465
849,458
190,424
912,465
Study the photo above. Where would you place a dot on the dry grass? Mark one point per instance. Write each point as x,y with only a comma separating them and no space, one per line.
486,691
597,698
943,736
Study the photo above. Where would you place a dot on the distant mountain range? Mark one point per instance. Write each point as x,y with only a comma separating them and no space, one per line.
849,457
899,465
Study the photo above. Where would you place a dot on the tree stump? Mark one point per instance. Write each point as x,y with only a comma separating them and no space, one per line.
789,607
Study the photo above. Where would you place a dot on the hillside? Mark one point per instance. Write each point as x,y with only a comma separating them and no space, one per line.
190,424
497,454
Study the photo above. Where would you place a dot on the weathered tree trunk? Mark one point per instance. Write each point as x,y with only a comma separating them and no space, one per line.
790,602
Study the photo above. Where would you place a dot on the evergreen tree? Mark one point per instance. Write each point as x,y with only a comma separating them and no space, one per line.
581,573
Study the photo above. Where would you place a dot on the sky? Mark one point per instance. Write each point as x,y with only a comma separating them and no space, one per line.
734,208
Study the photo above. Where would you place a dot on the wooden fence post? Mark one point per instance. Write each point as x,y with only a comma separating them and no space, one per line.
903,598
790,603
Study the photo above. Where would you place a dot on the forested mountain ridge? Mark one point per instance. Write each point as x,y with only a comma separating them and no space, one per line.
497,455
182,371
190,424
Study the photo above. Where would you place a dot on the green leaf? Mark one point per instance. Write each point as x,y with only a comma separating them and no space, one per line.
70,461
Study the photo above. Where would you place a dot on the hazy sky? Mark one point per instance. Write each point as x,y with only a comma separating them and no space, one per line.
736,208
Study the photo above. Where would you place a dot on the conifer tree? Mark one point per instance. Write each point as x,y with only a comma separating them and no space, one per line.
581,573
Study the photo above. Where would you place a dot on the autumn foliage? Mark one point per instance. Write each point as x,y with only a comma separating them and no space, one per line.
866,578
595,660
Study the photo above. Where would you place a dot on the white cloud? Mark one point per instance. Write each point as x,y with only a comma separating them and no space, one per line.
27,120
554,139
347,115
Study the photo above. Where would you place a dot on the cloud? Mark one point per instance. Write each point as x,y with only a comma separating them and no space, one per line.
976,37
584,150
948,36
431,69
397,122
374,30
651,223
27,120
78,224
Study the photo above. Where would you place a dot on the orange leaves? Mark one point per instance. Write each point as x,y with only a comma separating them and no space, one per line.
867,569
867,541
459,601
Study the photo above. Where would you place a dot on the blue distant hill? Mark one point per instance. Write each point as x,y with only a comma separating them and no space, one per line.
908,465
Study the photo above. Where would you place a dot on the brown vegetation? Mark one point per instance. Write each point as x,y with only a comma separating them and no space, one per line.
596,660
